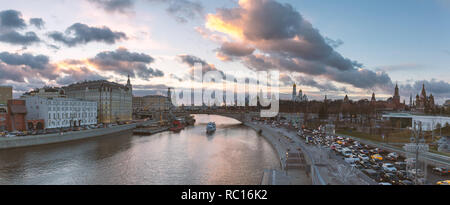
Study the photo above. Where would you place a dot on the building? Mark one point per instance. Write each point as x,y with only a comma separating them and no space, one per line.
423,102
3,117
46,92
151,103
447,104
15,118
114,100
300,97
5,94
428,122
396,97
59,112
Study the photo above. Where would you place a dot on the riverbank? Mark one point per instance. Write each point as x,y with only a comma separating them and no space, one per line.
282,176
7,143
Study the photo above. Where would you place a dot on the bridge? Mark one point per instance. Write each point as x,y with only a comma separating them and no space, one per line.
242,115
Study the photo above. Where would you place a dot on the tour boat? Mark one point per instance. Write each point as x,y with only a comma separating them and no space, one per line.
176,126
211,127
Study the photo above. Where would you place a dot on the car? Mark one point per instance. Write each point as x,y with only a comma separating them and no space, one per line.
400,165
384,183
405,182
371,173
402,174
445,182
363,157
363,151
346,152
377,157
351,159
441,171
389,177
392,156
364,164
389,167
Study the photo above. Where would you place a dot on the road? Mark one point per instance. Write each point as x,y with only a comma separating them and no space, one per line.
330,168
432,158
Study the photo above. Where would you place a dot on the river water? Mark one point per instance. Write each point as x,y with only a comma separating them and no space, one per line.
234,154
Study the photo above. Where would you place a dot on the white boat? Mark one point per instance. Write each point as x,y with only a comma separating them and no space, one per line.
211,127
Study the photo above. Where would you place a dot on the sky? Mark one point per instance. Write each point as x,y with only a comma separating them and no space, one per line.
326,47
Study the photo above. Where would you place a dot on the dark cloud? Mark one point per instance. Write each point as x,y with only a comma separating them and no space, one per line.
287,41
37,62
182,10
13,37
121,6
440,89
307,81
11,19
37,22
228,50
123,62
82,34
78,75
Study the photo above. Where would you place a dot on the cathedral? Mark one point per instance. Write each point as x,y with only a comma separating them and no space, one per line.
300,97
423,102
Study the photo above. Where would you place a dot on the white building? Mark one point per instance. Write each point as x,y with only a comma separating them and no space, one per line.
429,122
300,97
61,112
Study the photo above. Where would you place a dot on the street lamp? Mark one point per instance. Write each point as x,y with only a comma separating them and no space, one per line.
417,145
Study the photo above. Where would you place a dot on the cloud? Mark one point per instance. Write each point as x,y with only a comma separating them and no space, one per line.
11,19
440,89
123,62
13,37
121,6
37,22
78,75
182,10
82,34
191,61
28,65
37,62
228,50
286,41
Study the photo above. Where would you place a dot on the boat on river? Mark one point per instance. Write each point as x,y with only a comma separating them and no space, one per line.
211,127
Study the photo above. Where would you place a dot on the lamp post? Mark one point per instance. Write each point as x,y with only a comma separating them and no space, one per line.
416,146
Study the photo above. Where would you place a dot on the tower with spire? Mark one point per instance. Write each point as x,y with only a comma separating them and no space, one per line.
396,98
128,85
294,92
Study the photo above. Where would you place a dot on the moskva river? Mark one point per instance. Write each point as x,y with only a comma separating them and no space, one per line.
234,154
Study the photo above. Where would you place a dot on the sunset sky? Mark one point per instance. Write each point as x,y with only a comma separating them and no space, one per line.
327,47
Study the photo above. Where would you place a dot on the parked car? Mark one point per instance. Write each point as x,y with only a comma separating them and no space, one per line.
445,182
400,165
441,171
405,182
384,183
388,167
392,156
346,152
371,173
389,177
402,174
351,159
363,157
363,151
377,157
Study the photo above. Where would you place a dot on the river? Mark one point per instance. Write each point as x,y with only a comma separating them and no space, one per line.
234,154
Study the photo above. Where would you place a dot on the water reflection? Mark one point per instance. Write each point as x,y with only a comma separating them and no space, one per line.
234,154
